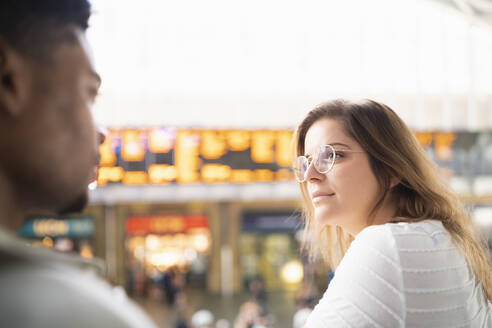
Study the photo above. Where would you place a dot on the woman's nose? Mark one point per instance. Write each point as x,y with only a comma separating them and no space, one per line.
312,173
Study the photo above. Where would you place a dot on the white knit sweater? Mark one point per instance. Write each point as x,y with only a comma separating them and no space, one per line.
403,275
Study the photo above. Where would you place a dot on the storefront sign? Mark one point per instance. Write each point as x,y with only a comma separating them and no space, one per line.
54,227
264,222
163,224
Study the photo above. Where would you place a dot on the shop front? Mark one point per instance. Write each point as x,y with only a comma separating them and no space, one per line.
71,235
269,248
160,246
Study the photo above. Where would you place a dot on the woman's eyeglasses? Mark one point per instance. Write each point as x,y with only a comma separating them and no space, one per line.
323,161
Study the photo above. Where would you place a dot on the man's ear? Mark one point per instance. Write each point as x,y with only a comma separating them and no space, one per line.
15,80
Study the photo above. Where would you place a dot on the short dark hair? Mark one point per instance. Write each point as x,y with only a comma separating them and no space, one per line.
33,26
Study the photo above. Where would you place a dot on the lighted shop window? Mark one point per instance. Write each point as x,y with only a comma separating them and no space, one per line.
139,253
180,240
425,138
133,148
262,146
64,245
215,173
161,140
47,242
283,147
213,144
152,242
106,152
186,159
113,174
190,254
292,272
241,176
167,258
135,242
135,178
284,175
162,173
238,140
264,175
443,142
201,242
86,251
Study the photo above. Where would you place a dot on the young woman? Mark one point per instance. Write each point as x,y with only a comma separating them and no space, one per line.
376,210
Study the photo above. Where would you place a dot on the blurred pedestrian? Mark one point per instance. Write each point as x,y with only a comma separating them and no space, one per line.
250,315
300,317
222,323
401,242
180,307
202,319
305,301
49,148
257,289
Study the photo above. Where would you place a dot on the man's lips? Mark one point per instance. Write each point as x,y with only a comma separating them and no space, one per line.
94,174
95,170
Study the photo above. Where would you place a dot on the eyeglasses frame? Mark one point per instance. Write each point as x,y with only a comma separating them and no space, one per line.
314,159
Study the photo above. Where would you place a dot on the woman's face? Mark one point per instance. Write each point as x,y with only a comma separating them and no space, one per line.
345,195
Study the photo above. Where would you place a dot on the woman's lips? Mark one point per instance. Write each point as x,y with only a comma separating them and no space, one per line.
318,196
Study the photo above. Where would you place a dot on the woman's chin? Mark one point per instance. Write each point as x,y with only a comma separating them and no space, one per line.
325,217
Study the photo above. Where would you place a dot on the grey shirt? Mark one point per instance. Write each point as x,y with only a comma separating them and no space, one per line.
41,288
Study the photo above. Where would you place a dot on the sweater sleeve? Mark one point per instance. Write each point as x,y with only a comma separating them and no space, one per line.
367,290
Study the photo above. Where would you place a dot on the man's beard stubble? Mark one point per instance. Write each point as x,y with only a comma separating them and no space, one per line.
76,206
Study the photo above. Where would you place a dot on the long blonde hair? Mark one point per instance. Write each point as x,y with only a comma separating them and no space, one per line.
393,151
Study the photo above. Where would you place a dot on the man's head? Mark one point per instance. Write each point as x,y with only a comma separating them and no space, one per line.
48,143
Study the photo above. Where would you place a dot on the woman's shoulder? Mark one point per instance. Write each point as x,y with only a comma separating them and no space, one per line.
425,234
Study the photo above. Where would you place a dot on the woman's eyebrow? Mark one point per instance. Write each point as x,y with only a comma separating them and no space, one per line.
339,144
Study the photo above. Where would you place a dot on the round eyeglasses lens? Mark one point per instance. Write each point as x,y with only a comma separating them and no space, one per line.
300,168
326,159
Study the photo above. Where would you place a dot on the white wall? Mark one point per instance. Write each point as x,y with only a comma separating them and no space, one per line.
264,63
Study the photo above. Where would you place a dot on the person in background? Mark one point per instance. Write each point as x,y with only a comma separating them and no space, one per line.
376,209
222,323
305,301
49,148
250,315
202,319
257,289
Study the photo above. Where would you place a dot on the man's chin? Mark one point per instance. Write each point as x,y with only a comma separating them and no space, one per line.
76,206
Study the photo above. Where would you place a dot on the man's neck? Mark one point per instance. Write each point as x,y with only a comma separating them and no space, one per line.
11,211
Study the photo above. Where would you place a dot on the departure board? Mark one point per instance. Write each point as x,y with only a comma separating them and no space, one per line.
165,155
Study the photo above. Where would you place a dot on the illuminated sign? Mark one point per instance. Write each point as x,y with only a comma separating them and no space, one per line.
53,227
133,147
187,161
213,144
164,224
161,140
262,146
163,155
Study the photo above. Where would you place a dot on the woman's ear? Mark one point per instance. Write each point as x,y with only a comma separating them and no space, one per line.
394,181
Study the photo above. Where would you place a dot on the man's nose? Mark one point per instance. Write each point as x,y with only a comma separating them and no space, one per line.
101,134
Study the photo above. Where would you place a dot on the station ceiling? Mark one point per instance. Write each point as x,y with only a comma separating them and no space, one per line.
478,10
